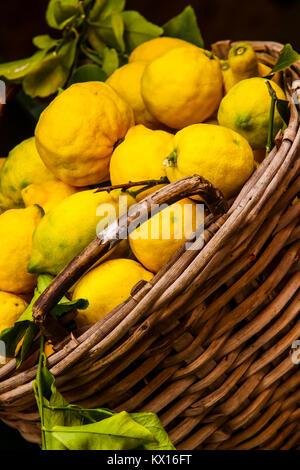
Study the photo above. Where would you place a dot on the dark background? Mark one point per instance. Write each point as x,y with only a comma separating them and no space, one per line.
276,20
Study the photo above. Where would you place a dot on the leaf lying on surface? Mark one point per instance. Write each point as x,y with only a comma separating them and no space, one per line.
69,427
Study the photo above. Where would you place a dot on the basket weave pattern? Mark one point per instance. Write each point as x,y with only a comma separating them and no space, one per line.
206,344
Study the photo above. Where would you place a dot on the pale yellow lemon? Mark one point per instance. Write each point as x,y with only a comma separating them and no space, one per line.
16,230
106,286
47,195
183,86
155,241
150,50
127,82
140,157
76,134
217,153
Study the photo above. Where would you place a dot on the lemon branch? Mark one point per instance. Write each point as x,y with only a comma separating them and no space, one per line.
147,183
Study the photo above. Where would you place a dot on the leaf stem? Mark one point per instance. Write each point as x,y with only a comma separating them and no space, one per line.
130,184
271,117
39,383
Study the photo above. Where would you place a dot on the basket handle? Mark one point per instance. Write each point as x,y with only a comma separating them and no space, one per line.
109,238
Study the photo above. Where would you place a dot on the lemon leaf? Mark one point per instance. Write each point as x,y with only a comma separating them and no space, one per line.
138,29
288,56
44,41
52,73
18,69
104,8
88,73
110,61
60,12
118,29
185,26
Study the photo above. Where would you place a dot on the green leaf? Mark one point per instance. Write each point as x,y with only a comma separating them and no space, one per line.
118,432
153,424
110,61
61,12
88,73
138,29
44,41
25,327
185,26
288,56
20,68
52,73
104,8
71,427
118,29
284,110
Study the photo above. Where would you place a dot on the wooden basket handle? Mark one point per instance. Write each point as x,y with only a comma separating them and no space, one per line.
109,238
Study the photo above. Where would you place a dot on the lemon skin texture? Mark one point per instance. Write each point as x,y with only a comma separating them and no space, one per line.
11,308
219,154
243,61
47,195
155,241
154,48
140,157
127,82
246,110
77,132
16,230
22,167
183,86
106,286
70,227
228,78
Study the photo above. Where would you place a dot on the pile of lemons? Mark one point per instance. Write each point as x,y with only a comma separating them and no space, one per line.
173,111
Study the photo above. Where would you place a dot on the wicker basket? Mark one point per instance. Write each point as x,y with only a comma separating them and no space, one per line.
206,344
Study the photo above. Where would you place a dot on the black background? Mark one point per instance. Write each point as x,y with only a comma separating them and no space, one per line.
277,20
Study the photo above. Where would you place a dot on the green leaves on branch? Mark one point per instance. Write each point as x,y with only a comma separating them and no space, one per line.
61,13
25,327
97,37
185,26
69,427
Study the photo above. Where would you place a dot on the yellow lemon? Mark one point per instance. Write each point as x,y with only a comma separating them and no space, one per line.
264,71
22,167
127,82
220,155
246,110
16,230
243,61
183,86
11,308
71,226
77,132
154,48
106,286
2,161
47,195
228,78
140,157
155,241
